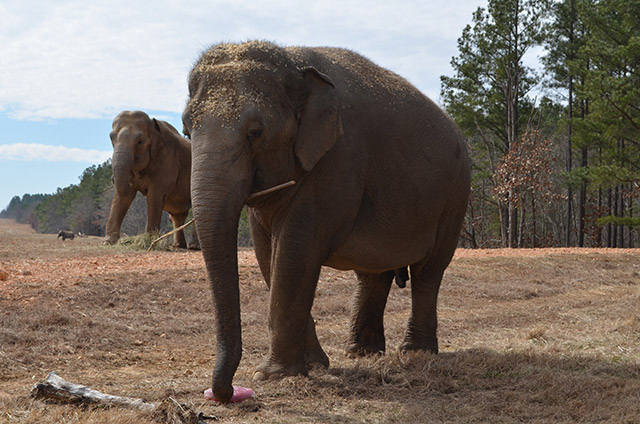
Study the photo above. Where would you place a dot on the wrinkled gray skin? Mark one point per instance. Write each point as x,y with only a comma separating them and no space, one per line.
151,157
382,182
66,235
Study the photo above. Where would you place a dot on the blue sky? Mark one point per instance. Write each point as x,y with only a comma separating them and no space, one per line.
68,67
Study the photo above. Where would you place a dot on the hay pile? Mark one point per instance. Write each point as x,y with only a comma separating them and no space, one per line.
143,242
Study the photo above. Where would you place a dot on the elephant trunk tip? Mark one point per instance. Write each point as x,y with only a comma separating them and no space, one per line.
222,392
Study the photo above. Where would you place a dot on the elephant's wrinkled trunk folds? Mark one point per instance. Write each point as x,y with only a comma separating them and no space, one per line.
122,165
218,192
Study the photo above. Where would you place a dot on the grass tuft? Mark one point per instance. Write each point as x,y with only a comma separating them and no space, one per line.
144,240
537,333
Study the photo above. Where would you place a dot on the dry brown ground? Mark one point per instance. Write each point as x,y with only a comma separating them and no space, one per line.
550,335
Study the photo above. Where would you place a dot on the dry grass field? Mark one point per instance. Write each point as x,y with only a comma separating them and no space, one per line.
526,336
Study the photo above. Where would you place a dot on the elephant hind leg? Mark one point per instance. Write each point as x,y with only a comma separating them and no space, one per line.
367,314
423,321
178,238
195,243
426,277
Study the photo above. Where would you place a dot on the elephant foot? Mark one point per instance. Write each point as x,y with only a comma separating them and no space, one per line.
179,246
366,343
316,358
193,246
355,350
110,241
428,345
271,371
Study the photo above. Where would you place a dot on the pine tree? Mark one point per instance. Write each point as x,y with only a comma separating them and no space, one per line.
489,94
564,37
612,86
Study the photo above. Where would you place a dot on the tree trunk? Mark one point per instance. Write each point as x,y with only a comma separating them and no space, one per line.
534,241
582,200
503,214
599,228
472,226
513,225
620,200
567,238
631,229
521,225
611,227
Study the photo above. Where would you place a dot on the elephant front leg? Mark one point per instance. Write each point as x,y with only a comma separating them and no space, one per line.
313,353
179,241
155,205
292,340
367,313
119,207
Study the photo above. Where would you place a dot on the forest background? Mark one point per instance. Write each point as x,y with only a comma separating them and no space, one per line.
555,152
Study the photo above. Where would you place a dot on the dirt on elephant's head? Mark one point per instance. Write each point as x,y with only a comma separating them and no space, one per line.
235,75
252,51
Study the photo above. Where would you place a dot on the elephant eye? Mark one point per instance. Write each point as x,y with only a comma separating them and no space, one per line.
253,135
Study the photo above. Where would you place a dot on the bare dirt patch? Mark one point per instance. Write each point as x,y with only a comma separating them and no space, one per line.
545,335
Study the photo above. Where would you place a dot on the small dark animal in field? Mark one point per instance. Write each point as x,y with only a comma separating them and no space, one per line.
66,235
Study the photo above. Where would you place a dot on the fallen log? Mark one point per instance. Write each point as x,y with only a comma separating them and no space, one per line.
58,389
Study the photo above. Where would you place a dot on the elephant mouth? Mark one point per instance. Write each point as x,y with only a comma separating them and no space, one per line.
260,197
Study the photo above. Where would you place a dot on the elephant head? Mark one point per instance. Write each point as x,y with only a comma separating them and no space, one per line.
136,139
256,119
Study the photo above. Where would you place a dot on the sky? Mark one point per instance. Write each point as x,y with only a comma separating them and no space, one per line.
67,68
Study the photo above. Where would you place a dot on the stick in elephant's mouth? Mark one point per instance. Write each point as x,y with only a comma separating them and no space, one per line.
258,194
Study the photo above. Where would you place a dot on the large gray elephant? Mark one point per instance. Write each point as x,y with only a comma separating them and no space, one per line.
151,157
382,183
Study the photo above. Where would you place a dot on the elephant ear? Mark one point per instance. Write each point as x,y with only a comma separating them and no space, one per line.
156,138
319,126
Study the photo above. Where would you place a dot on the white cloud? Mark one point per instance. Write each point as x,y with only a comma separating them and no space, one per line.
43,152
78,59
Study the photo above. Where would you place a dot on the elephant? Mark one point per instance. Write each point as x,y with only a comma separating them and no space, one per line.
66,235
382,181
151,157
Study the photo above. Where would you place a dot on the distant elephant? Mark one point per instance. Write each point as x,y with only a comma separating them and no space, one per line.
382,182
151,157
66,235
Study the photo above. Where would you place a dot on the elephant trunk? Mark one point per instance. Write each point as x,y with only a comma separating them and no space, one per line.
218,194
122,164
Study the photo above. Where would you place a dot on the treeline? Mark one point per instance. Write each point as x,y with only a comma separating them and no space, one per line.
82,207
561,170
